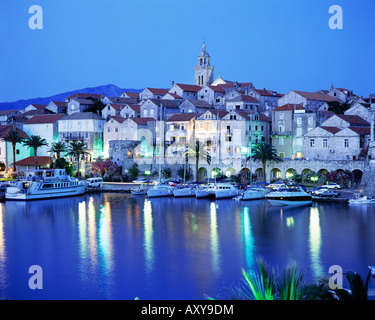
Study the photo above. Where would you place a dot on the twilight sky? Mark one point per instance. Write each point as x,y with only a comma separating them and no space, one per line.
281,45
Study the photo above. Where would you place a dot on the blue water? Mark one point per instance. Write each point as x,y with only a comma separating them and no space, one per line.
118,246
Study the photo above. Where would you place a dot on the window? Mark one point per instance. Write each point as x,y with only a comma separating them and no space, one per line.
238,150
325,143
281,115
228,150
109,130
299,121
116,129
18,151
346,143
281,141
312,143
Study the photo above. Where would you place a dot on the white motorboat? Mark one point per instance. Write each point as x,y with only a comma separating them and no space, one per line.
290,196
255,193
160,190
358,198
46,184
372,269
184,191
224,191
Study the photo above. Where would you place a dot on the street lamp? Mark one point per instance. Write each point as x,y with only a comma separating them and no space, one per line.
314,179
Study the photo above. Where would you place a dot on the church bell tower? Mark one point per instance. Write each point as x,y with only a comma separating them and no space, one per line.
204,72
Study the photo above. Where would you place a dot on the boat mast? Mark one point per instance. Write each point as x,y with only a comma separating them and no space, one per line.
247,147
160,153
218,144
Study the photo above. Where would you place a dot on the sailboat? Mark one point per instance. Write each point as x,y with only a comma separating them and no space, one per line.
184,190
251,193
160,190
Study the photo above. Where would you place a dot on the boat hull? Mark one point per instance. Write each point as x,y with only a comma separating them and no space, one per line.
154,193
186,192
254,195
200,194
69,192
225,194
289,201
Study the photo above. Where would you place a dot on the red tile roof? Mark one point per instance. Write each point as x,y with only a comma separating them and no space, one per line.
142,121
157,90
38,106
361,130
315,96
133,94
353,120
30,161
48,118
289,106
265,92
5,130
182,117
118,119
331,129
189,87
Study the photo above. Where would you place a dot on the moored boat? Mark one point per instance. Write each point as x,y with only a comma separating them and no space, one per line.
290,196
255,193
46,184
160,190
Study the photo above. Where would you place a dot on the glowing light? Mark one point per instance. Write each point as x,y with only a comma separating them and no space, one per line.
248,238
214,239
148,235
315,241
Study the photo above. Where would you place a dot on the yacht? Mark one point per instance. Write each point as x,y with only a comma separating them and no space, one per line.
289,196
184,191
224,190
254,193
203,191
217,191
46,184
160,190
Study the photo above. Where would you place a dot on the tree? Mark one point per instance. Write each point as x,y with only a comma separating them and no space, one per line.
96,107
134,171
78,149
199,151
265,152
35,142
13,138
58,148
337,107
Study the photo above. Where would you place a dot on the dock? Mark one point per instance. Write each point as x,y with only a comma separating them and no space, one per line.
330,199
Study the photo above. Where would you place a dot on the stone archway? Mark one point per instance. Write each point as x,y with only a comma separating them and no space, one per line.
230,172
356,178
202,174
276,174
290,173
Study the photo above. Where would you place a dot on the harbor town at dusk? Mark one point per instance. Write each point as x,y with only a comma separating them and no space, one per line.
230,156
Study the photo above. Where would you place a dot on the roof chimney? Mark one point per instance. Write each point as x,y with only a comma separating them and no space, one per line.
172,84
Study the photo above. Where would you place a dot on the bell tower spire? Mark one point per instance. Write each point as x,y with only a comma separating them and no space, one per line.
204,72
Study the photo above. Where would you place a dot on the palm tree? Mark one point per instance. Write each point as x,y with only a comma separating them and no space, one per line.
58,148
199,151
265,152
35,142
13,138
78,149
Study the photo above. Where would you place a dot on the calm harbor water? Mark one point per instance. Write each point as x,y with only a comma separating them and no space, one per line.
118,246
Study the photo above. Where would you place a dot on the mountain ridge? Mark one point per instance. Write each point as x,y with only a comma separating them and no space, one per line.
109,90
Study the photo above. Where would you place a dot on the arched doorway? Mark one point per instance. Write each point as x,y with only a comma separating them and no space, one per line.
216,172
356,178
290,173
229,172
275,174
202,174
